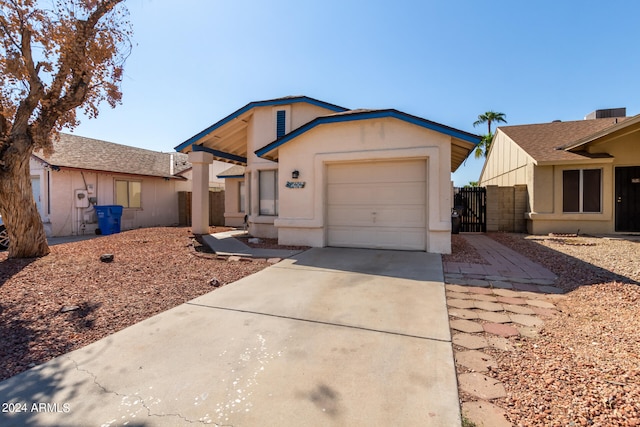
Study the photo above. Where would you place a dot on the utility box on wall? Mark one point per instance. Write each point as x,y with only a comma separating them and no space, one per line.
81,199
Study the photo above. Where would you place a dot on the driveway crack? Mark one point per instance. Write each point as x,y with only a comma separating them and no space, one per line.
143,403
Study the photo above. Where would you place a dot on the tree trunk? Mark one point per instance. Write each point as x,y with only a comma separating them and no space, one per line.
27,238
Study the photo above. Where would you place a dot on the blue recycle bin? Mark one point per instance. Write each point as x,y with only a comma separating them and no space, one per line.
108,219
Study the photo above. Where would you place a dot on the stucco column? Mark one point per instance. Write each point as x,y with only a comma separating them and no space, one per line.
200,191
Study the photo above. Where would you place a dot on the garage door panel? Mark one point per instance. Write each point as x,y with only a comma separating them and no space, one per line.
388,193
377,205
376,172
380,238
363,216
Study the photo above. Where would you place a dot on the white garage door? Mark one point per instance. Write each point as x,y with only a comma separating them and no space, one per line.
377,205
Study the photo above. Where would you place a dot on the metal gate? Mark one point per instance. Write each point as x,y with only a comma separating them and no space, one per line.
471,204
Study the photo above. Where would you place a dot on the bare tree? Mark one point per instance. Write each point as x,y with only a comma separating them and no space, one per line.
53,62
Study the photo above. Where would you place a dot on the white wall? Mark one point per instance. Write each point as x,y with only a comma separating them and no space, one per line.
302,212
62,218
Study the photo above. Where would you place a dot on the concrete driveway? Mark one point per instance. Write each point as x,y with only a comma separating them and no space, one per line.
344,337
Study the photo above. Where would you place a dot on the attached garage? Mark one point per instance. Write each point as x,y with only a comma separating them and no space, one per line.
336,177
377,204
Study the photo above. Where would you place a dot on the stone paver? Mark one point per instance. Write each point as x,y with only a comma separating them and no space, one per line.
475,360
500,329
511,300
506,293
494,317
481,386
465,326
500,343
457,295
518,309
526,320
540,304
463,313
480,290
485,414
460,303
488,306
529,332
545,312
478,297
472,342
456,288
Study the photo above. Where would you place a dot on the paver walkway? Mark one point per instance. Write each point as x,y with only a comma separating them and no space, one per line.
505,269
489,306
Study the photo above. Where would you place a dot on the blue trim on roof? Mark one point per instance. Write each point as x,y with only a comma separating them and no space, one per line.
221,154
229,176
249,106
366,115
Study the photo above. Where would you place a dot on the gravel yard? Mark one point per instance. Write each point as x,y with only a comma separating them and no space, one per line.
584,368
154,269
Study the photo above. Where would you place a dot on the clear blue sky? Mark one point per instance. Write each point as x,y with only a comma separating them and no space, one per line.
196,61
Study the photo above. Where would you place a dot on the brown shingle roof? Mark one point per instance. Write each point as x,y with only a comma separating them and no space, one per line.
542,141
72,151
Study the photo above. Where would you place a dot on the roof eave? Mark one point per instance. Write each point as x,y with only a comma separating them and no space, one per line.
272,102
591,138
269,151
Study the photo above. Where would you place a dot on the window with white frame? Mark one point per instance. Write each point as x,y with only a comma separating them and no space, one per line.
268,192
129,193
241,196
582,191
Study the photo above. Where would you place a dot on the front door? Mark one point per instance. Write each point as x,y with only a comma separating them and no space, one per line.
628,198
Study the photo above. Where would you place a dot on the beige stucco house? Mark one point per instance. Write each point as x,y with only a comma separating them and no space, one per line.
83,172
312,173
580,175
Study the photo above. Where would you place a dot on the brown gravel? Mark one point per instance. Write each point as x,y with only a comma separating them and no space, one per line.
461,251
584,368
154,269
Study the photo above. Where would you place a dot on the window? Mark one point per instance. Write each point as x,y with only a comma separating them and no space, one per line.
281,120
241,197
268,192
582,190
128,193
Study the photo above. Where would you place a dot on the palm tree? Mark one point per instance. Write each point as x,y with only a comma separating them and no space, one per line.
489,117
482,149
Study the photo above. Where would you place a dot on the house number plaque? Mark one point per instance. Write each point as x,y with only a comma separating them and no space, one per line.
291,184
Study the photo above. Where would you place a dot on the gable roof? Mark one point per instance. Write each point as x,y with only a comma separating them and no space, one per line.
553,142
237,115
77,152
462,145
235,171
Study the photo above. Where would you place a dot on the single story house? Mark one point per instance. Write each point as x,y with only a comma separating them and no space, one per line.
313,173
83,172
580,175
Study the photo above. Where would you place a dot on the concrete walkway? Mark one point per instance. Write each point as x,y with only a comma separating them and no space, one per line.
340,337
226,244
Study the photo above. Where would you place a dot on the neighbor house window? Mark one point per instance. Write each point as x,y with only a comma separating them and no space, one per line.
268,192
128,193
582,190
241,196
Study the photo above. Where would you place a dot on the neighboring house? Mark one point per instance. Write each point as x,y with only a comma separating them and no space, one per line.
580,175
313,173
83,172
